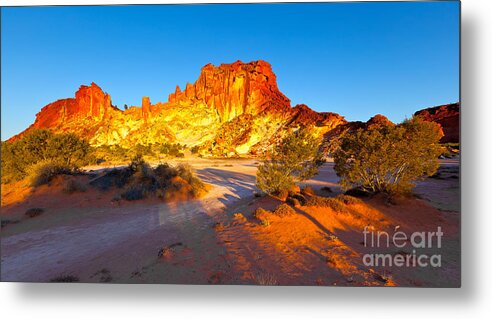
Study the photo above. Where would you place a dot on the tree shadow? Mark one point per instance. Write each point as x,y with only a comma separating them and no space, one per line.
240,185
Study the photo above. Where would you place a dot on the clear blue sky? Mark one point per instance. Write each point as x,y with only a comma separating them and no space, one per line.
356,59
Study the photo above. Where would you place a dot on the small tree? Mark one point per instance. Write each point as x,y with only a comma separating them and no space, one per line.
41,145
389,159
68,148
294,160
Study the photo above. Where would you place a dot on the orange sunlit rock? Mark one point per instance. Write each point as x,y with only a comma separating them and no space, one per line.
231,109
448,116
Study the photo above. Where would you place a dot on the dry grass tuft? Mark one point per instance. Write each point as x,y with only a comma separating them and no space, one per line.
349,200
330,202
284,210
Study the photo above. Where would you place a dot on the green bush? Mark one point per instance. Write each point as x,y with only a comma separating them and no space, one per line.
42,146
292,161
110,153
172,150
389,159
43,172
140,180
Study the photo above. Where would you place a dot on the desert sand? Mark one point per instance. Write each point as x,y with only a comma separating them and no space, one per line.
92,238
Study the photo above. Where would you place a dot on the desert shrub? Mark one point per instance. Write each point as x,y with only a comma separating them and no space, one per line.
171,150
308,190
110,153
292,161
330,202
34,212
389,159
115,177
141,150
348,200
69,149
43,172
42,145
284,210
133,192
164,173
185,171
261,214
195,149
71,186
140,180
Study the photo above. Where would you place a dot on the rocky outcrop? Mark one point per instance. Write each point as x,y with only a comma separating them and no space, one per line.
378,120
302,115
90,106
448,116
235,89
146,108
231,109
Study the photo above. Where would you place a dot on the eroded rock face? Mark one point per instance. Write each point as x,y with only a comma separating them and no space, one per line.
235,89
91,106
448,116
231,109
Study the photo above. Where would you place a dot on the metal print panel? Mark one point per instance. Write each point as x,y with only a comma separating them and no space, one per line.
236,144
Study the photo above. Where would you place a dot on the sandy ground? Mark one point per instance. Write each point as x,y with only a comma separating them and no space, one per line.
90,237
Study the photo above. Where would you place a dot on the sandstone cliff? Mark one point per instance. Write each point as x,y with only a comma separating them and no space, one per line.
231,109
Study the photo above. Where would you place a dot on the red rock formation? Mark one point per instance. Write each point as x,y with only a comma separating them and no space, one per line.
448,116
90,103
303,115
231,109
235,89
146,108
378,120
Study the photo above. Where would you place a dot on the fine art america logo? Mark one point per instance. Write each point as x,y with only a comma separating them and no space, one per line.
414,241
